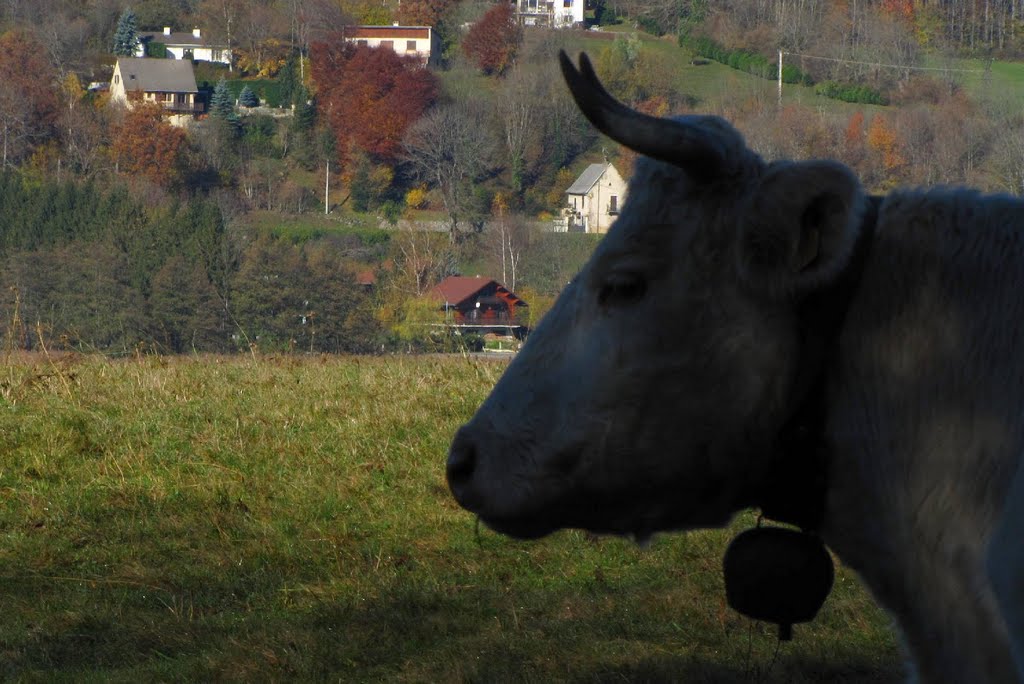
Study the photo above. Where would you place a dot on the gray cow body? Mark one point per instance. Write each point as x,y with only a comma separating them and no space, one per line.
653,395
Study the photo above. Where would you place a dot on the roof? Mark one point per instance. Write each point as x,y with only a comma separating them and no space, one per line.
177,39
157,75
587,179
366,278
387,32
455,290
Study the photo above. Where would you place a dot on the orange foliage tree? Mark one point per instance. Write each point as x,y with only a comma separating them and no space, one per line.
886,164
28,101
901,9
423,12
369,96
146,145
882,139
492,42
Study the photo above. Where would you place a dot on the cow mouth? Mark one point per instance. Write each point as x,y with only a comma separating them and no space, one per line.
535,526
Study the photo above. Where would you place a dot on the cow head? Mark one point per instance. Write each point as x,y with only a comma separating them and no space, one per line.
650,396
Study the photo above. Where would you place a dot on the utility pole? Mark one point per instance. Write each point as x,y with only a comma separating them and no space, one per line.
780,77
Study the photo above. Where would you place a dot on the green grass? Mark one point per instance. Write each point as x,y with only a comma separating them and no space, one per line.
285,518
311,226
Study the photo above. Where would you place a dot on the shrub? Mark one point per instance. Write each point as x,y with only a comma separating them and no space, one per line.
156,50
247,98
852,93
416,198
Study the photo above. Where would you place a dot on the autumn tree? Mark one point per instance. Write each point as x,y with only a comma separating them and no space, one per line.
423,12
146,145
84,134
221,19
451,148
518,109
370,96
506,241
28,103
493,41
885,147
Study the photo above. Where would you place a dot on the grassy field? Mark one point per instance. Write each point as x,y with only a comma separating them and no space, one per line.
287,518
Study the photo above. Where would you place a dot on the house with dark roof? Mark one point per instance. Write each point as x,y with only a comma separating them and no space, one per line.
552,13
480,304
169,83
420,42
593,200
182,45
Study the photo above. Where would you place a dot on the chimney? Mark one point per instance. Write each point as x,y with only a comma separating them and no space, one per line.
167,30
195,33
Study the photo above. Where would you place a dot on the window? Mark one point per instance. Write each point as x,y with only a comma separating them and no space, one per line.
613,205
389,44
361,43
567,4
410,46
117,79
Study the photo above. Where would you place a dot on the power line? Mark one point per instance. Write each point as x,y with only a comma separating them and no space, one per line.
885,66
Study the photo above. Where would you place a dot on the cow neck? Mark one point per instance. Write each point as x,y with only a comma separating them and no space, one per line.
795,490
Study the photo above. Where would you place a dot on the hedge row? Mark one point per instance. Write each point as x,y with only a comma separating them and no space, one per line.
745,60
852,93
759,65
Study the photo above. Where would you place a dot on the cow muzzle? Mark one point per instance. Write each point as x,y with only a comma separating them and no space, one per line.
463,458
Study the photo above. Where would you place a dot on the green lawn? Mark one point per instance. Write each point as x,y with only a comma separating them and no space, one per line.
215,518
313,225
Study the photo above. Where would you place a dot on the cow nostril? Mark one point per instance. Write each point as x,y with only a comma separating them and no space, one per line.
461,462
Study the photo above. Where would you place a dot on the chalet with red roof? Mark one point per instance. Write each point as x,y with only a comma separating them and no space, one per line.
480,303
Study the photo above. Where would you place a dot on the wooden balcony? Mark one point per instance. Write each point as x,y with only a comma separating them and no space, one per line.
184,107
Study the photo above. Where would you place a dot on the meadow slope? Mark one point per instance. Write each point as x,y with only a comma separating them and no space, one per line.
247,518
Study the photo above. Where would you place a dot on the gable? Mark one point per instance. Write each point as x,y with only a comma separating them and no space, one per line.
462,291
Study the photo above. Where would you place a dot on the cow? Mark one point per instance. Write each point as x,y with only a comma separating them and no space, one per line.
751,334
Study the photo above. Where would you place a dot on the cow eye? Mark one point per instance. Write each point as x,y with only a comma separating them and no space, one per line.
621,288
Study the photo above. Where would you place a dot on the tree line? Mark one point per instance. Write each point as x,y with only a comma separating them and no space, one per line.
92,269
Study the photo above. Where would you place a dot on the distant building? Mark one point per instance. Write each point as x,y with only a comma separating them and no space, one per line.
183,45
406,41
553,13
593,201
480,304
169,83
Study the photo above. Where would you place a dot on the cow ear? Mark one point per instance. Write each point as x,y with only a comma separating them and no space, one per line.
800,226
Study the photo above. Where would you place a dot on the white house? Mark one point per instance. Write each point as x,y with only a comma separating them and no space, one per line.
412,41
181,45
554,13
167,82
593,201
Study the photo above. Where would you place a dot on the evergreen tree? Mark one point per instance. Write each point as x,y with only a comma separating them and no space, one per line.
247,98
222,104
126,37
289,83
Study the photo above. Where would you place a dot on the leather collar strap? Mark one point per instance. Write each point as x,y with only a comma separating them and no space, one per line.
795,491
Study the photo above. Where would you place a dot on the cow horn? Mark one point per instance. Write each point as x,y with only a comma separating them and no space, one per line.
669,140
